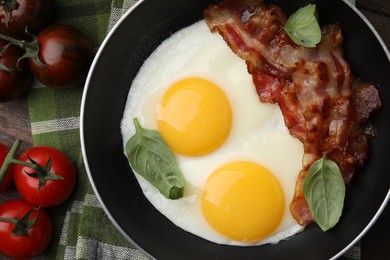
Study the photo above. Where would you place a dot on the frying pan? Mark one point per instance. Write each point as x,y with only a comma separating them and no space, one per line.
118,60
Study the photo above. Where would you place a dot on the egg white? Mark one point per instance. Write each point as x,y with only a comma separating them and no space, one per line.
258,132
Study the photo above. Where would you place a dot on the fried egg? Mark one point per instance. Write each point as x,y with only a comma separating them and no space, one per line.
238,159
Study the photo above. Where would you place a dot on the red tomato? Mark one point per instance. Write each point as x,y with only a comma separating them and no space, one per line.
9,173
37,237
52,192
34,14
14,81
66,54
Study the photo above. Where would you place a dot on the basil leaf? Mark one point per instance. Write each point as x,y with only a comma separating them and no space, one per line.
303,27
324,190
151,157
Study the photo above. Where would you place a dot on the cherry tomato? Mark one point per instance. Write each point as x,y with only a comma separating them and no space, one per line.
14,81
45,188
9,173
19,14
25,242
66,54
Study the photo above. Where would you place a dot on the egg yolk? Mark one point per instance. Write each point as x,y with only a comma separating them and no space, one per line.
243,201
194,117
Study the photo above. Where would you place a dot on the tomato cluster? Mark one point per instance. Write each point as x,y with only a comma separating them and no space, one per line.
57,55
44,177
13,81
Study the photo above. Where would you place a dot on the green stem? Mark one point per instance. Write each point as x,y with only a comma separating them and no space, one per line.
8,160
136,124
4,48
14,41
4,68
41,173
22,225
9,220
31,48
2,51
8,6
35,167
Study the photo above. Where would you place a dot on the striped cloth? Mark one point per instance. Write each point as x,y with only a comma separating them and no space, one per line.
81,228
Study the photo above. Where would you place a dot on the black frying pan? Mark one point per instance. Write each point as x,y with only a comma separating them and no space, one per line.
114,68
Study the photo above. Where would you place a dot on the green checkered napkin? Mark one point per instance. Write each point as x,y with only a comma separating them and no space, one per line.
81,228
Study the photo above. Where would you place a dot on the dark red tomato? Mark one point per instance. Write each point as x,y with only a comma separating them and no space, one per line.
9,173
66,54
16,245
35,14
44,190
15,81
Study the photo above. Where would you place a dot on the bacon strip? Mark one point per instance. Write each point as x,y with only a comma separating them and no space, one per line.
321,103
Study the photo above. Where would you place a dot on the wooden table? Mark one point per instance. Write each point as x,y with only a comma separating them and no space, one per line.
14,123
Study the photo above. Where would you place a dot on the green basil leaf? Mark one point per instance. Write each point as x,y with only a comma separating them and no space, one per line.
324,191
152,158
303,27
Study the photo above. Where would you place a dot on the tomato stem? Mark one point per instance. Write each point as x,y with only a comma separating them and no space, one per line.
8,159
8,5
35,167
14,41
31,48
9,220
23,224
42,173
4,68
2,50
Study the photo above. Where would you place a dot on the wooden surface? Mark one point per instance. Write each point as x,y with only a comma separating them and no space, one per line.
14,123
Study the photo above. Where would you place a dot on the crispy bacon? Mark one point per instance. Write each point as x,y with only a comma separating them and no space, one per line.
323,106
